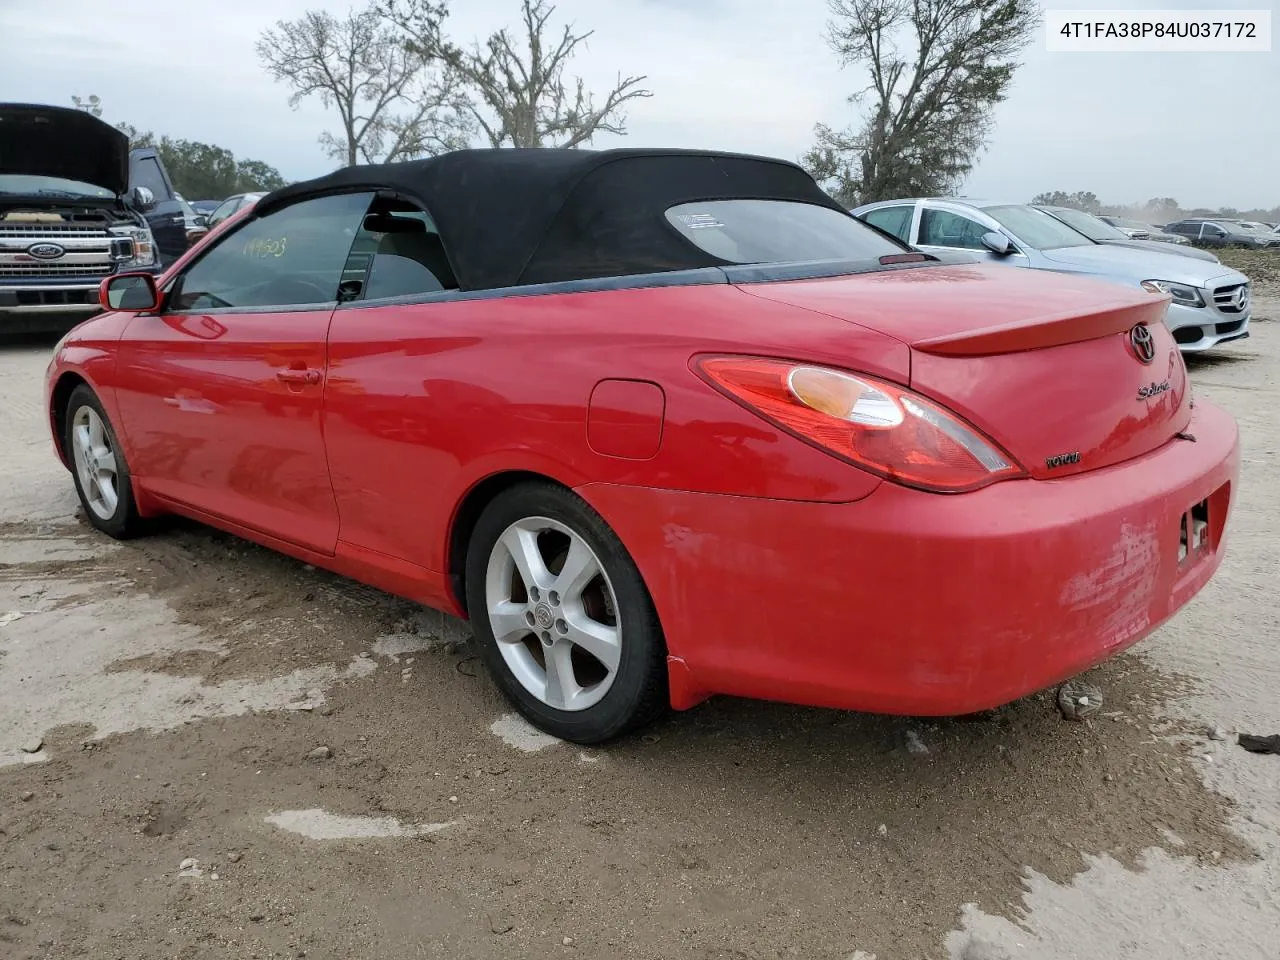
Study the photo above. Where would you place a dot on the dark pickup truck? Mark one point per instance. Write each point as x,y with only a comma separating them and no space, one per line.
174,222
68,216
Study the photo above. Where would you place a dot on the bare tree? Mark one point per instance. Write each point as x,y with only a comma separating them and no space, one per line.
520,96
392,104
929,107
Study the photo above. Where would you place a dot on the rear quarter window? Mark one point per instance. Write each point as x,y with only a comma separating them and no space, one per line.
895,220
776,231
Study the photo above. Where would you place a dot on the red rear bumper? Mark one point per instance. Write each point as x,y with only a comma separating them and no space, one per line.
916,603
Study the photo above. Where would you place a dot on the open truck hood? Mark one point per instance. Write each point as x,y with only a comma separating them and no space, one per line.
43,141
1041,362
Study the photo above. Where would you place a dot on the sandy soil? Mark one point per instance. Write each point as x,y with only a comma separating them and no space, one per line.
180,687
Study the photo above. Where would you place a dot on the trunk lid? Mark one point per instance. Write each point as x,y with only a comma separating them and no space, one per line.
1043,363
37,140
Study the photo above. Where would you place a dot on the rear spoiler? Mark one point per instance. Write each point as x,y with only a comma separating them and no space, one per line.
1048,331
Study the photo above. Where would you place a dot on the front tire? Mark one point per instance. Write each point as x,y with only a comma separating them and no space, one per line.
564,621
99,468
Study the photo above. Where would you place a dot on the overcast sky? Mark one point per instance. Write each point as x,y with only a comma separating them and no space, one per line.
752,75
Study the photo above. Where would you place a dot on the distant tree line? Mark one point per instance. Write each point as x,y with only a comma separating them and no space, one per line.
1156,210
200,171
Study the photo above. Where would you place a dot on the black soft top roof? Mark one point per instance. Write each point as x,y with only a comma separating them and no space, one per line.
518,216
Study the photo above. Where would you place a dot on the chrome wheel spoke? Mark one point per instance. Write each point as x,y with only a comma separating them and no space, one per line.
580,568
96,438
508,621
522,543
107,461
562,686
598,639
83,441
107,492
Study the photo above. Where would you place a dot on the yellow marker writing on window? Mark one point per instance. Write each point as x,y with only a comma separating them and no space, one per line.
266,247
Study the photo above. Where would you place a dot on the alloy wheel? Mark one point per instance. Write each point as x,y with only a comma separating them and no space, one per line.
554,613
95,463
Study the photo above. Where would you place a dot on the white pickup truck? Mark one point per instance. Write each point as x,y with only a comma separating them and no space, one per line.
67,216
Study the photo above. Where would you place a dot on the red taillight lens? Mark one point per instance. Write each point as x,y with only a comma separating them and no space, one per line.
869,422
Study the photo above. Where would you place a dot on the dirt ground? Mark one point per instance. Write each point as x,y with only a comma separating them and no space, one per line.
178,689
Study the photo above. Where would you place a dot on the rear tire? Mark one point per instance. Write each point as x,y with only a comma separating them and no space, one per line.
562,616
98,465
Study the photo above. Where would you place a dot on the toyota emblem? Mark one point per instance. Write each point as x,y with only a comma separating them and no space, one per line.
46,251
1143,344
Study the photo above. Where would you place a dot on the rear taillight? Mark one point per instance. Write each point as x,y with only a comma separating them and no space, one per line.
871,423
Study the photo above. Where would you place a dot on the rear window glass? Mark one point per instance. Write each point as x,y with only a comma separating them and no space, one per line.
776,231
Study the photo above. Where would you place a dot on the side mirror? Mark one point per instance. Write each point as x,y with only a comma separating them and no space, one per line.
143,199
201,220
132,292
997,243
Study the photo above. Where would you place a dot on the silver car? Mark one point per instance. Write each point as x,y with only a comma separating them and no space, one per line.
1210,302
231,205
1099,231
1144,231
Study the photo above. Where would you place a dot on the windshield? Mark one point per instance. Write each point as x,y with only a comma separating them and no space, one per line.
30,186
1089,225
1131,224
1036,228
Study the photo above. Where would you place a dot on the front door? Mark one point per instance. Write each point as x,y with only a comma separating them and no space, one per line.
221,392
944,230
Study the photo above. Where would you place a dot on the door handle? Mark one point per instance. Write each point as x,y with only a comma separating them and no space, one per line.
298,376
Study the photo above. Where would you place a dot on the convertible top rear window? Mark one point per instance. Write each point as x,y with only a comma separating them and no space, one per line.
776,231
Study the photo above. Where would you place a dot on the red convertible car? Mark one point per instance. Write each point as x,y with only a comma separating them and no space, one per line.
662,425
